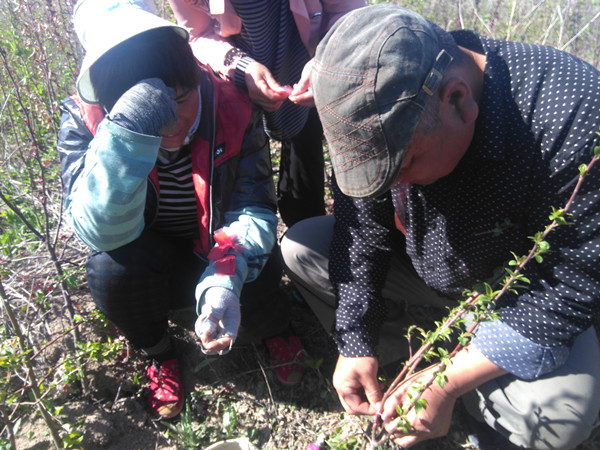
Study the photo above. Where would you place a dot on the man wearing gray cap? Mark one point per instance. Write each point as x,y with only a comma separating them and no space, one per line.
449,150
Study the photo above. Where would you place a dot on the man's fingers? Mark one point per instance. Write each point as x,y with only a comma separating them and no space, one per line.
357,402
354,403
374,396
405,441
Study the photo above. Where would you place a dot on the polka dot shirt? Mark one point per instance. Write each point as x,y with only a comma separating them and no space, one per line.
538,119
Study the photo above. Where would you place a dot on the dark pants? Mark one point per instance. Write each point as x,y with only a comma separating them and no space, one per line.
136,286
301,186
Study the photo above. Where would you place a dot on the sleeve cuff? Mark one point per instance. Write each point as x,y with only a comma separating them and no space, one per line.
514,353
239,78
353,344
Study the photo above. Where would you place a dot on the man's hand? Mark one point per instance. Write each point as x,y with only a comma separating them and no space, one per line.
263,89
219,320
148,107
355,380
469,368
430,422
302,93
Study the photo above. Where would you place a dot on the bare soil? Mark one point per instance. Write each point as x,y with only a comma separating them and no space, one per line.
236,395
230,396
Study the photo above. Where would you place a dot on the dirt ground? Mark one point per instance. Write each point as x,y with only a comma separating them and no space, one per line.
231,396
236,395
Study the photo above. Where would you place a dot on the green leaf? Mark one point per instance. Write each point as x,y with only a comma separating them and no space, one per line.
229,420
420,405
441,380
404,424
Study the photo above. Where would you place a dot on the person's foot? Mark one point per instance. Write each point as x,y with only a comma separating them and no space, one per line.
166,391
287,359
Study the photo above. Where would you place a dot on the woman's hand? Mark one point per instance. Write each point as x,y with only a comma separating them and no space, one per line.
219,321
302,93
263,89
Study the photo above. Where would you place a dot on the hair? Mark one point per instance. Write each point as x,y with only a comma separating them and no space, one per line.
157,53
430,120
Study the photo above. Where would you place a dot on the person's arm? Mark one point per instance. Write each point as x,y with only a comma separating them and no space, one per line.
540,322
229,62
107,193
208,46
360,256
332,11
469,369
559,304
250,223
74,138
250,214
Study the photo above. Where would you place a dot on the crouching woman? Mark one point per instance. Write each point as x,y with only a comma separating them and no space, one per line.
167,179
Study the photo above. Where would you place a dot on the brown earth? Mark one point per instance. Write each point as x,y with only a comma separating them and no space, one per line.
236,395
231,396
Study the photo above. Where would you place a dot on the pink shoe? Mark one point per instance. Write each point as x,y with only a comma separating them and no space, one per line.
287,359
166,392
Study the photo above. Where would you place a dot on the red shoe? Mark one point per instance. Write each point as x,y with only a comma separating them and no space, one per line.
287,359
166,392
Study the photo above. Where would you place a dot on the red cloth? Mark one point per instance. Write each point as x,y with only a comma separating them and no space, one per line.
221,253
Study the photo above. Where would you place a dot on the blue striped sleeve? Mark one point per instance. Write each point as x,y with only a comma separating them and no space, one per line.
106,205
